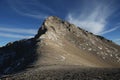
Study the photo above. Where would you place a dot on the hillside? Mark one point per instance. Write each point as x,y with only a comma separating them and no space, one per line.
59,45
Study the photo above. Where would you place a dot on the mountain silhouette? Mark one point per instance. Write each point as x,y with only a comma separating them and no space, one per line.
59,45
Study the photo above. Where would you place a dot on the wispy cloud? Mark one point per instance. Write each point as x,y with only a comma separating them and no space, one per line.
117,41
31,8
110,30
10,35
93,17
19,30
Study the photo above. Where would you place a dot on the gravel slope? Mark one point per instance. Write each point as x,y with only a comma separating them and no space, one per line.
66,73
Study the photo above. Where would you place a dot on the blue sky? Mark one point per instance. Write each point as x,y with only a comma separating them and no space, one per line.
22,18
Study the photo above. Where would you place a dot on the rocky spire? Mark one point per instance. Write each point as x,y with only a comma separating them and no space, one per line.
55,24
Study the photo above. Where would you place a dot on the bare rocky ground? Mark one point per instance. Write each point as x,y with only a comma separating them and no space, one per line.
66,73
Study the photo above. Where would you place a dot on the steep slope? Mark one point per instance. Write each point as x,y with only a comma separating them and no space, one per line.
59,43
64,43
17,55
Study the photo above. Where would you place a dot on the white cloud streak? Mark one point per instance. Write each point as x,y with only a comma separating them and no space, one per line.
117,41
93,17
9,35
31,8
92,26
110,30
19,30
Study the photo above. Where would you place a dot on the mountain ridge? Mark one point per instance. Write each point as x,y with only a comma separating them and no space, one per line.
59,43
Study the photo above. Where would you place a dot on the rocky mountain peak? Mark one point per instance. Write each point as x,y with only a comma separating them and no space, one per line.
59,33
52,23
59,43
48,25
57,26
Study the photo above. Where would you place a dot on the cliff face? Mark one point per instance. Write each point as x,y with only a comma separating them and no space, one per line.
59,43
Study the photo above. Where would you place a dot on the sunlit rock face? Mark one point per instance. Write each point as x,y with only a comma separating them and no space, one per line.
59,43
66,36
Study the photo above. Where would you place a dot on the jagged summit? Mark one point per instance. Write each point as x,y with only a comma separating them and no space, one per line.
53,24
58,26
59,43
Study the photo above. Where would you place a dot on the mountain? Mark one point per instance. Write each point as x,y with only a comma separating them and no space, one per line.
58,44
